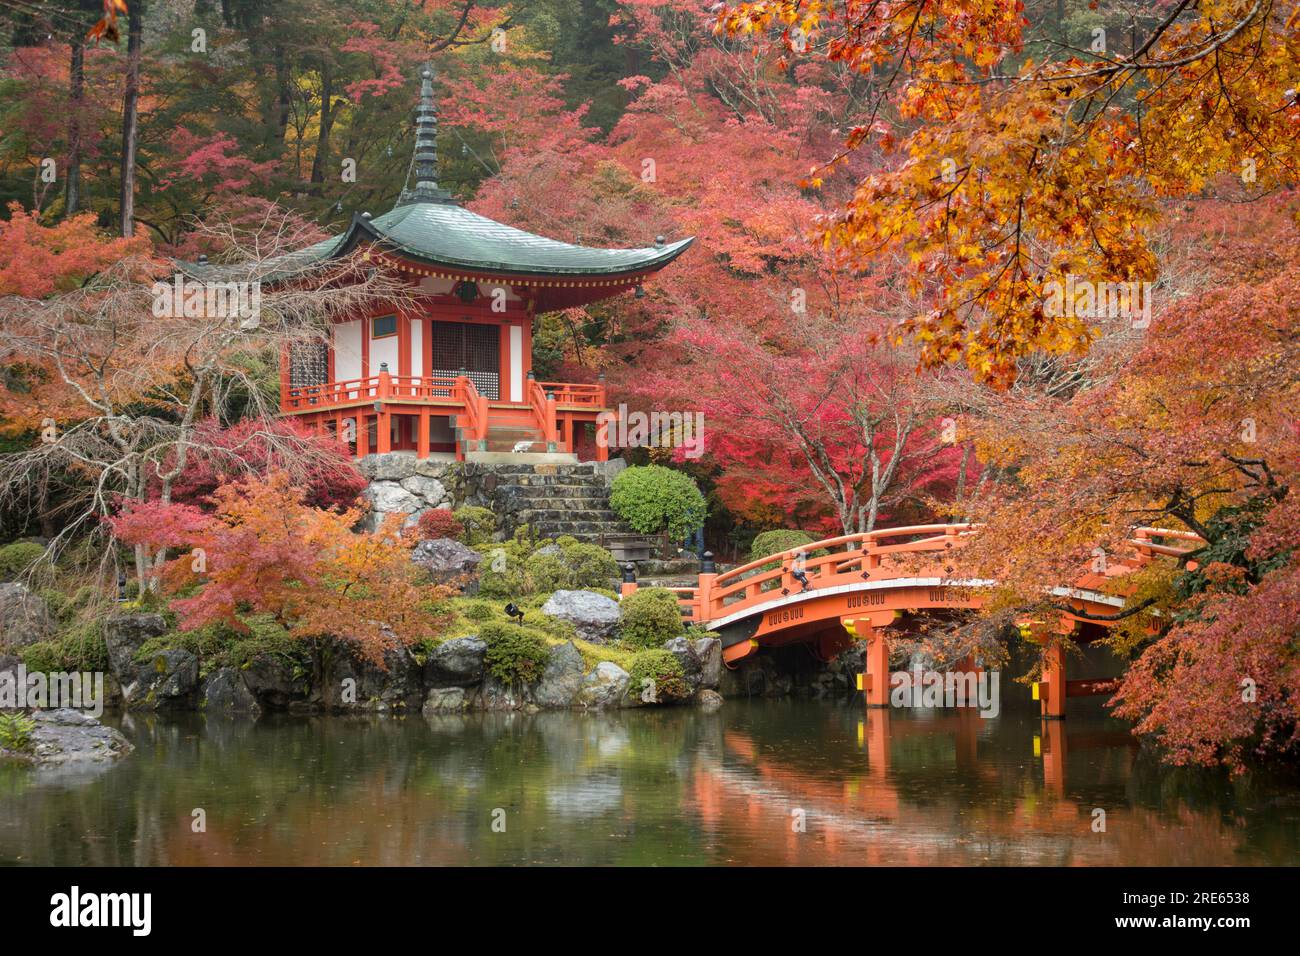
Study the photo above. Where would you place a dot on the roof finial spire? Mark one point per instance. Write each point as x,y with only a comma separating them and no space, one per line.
425,160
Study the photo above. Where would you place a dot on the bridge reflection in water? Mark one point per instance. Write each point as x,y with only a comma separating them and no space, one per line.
669,786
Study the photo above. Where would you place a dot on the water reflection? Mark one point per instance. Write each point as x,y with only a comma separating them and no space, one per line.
667,787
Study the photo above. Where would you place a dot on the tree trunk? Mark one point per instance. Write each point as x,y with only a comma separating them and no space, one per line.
76,87
326,124
131,118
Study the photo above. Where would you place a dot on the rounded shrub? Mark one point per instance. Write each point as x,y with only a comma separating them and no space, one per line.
515,654
654,499
569,564
650,617
438,523
479,524
774,542
663,670
18,557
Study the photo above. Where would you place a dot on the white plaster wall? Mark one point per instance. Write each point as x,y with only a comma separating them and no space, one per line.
516,363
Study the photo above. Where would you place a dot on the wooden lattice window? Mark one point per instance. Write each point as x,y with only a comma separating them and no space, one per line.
308,364
474,348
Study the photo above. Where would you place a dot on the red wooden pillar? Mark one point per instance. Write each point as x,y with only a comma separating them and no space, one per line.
874,682
284,378
704,610
422,439
363,435
1051,689
602,437
384,427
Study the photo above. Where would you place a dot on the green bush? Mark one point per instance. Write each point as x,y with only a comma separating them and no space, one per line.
664,670
501,574
576,566
653,499
17,558
78,646
650,617
479,524
217,645
514,570
16,732
479,611
515,654
774,542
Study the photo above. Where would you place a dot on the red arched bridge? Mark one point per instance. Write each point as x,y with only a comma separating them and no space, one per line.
828,593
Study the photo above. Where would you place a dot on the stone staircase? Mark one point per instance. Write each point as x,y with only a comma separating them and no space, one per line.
555,500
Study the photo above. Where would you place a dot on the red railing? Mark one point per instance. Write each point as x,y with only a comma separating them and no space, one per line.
475,409
543,411
853,558
426,389
584,396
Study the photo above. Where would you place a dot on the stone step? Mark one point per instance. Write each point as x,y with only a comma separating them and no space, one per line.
525,469
532,515
577,529
558,492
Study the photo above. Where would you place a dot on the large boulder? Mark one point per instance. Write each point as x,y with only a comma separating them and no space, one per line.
69,736
166,680
710,701
604,686
456,663
24,617
444,700
277,683
594,616
497,695
386,497
449,562
682,649
709,652
561,678
390,466
430,490
123,637
354,682
224,692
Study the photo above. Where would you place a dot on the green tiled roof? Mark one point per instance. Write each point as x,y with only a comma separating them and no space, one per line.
448,235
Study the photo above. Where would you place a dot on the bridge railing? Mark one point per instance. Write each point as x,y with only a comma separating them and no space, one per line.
841,559
862,557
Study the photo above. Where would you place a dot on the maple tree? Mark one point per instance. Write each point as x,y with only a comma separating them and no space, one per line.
823,421
124,388
222,455
1008,170
1192,428
265,550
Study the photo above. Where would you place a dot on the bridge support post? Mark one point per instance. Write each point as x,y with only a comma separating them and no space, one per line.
1051,689
874,682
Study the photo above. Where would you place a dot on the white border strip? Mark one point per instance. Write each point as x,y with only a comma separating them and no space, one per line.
800,596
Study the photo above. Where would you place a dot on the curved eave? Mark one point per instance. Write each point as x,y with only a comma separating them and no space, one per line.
556,287
652,260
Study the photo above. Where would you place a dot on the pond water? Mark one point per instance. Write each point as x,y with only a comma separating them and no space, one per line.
761,782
